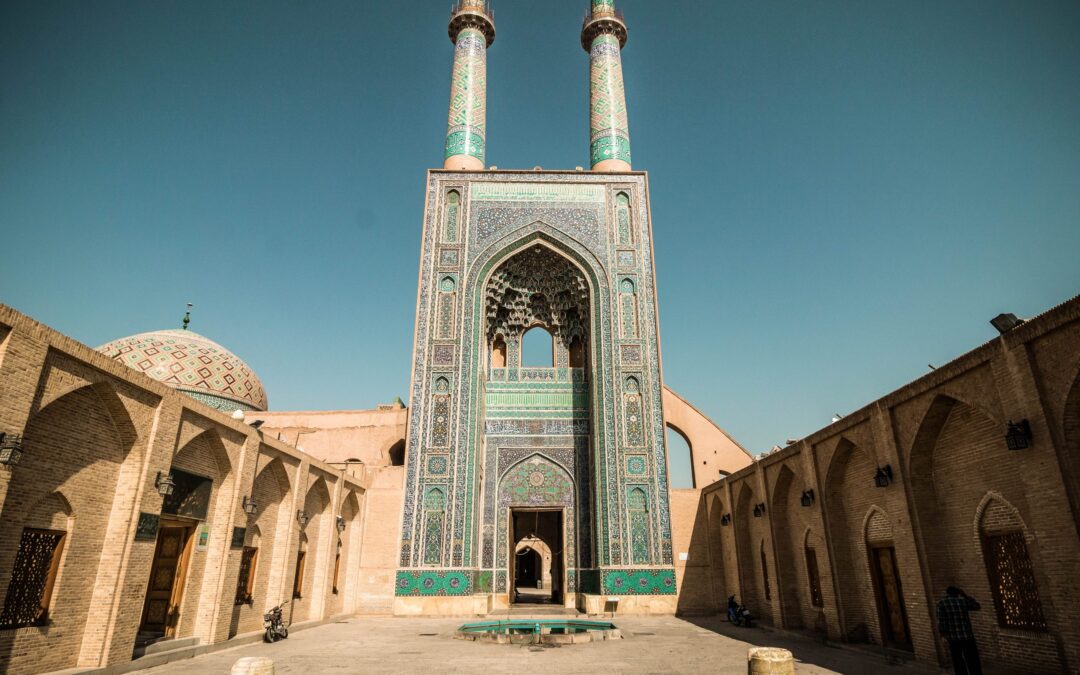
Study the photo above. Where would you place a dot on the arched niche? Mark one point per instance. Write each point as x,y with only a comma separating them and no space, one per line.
849,484
396,454
680,458
80,446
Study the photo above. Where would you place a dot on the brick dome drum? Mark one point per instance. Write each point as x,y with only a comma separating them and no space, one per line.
193,364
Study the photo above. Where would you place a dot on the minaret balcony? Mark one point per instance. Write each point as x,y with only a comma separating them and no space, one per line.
472,14
610,22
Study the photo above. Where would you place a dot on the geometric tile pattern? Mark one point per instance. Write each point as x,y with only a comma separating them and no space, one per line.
639,582
602,424
193,364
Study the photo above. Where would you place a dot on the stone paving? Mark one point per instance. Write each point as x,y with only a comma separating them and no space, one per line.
651,645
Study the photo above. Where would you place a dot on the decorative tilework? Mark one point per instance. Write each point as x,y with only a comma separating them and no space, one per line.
468,96
639,581
452,216
588,440
434,582
636,465
626,259
437,465
443,355
448,257
608,128
193,364
622,216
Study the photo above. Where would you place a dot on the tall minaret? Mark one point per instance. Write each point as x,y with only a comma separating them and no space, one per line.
603,35
472,30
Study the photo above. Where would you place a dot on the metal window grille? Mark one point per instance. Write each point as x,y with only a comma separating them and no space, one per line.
30,589
1012,581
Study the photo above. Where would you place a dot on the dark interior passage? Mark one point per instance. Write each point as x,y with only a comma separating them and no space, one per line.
528,566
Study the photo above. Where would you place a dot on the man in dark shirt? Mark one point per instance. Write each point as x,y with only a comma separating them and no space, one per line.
954,625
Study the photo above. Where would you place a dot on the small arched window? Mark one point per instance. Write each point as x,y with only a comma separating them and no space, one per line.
680,459
498,352
397,453
622,215
537,348
577,352
453,214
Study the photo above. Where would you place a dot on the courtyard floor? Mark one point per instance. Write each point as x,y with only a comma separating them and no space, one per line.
651,645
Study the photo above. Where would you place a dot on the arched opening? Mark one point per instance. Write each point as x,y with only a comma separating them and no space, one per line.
958,458
397,453
498,352
268,533
528,568
789,527
313,568
680,459
851,479
58,510
538,299
537,348
748,533
577,352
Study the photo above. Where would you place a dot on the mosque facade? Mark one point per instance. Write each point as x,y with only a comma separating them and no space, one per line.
153,506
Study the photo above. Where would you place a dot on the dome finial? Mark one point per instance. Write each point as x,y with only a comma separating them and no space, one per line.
187,315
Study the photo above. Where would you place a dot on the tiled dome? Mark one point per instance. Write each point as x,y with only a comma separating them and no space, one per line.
199,367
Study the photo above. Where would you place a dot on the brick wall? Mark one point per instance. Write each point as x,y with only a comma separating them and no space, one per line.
953,479
96,435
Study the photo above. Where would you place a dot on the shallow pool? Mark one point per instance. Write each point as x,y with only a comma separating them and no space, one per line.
533,631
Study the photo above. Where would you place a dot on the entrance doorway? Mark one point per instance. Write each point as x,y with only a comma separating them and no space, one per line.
890,597
165,591
537,557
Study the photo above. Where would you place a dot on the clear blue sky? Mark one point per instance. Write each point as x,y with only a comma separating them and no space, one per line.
842,192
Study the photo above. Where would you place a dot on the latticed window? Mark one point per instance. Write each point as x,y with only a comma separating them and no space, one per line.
32,580
245,583
1012,581
815,579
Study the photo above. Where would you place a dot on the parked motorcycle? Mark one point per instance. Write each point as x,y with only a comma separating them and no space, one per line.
737,614
275,627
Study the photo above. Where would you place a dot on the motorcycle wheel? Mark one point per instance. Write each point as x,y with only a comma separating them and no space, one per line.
269,636
284,632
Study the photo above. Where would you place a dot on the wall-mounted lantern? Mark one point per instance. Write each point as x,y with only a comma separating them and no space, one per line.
883,476
759,510
10,449
164,484
250,506
302,518
340,523
1018,435
807,497
725,520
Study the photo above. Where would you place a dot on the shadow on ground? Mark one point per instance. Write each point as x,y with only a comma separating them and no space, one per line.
810,648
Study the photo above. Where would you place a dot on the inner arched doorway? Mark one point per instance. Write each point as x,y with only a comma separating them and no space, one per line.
538,563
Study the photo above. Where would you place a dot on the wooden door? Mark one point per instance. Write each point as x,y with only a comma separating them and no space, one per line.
890,597
166,588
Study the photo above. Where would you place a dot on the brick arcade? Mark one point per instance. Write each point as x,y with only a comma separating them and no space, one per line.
159,503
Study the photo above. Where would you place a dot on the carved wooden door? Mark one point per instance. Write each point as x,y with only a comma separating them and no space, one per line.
166,587
890,598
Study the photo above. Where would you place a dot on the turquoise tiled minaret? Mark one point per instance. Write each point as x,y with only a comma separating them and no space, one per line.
603,35
472,30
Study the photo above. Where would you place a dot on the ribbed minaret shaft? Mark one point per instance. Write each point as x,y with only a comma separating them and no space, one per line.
603,35
472,30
